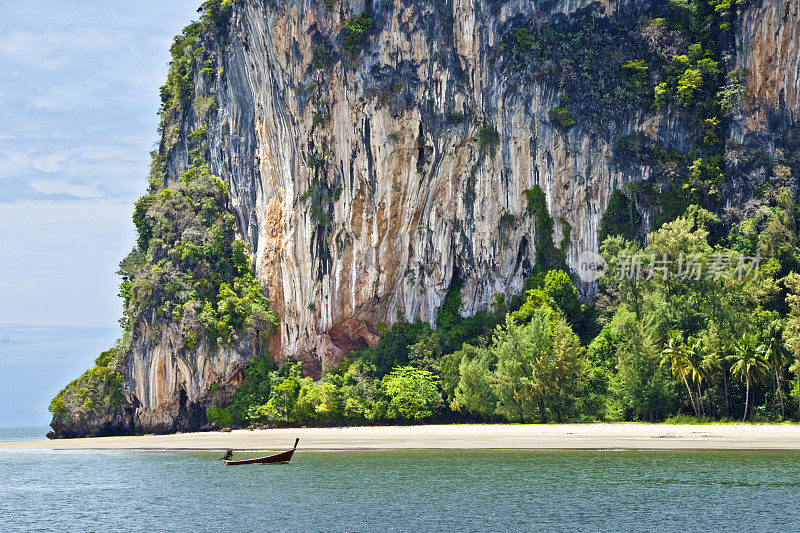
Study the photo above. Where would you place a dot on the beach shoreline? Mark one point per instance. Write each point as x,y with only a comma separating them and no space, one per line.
455,437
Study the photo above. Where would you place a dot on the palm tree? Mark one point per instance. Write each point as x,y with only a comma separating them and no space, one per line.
714,350
775,353
693,355
748,365
795,369
674,356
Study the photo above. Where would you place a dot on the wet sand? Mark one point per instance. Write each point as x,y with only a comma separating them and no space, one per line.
457,437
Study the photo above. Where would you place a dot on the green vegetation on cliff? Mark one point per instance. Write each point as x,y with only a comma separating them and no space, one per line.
96,394
591,60
190,269
356,32
607,70
189,57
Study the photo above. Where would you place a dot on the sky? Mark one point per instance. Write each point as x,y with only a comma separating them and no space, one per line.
79,86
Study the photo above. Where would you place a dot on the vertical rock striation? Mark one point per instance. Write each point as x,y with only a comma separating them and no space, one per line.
169,386
768,45
362,186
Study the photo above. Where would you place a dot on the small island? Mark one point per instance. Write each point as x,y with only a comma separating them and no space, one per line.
592,218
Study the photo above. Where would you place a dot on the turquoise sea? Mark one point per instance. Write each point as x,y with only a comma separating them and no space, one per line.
401,491
23,433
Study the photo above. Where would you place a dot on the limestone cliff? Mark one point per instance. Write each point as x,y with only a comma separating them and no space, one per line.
169,386
364,180
358,191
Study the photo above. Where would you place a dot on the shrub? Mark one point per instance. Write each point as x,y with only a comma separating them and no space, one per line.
208,71
636,73
205,105
321,56
662,94
356,31
620,218
558,288
689,83
144,230
215,13
524,41
488,139
96,393
200,134
319,119
733,92
561,117
394,346
547,255
221,416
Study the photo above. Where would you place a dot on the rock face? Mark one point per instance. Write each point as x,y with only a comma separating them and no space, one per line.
116,422
768,44
169,386
361,181
360,194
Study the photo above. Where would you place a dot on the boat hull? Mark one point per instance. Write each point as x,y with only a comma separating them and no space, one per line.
283,457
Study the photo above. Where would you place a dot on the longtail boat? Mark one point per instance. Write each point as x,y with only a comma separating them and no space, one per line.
282,457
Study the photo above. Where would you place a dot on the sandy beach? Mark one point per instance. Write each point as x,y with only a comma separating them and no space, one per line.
457,437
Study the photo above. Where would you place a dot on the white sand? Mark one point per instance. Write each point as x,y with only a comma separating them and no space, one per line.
506,436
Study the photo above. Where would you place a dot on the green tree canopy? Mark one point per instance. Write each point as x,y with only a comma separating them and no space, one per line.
413,393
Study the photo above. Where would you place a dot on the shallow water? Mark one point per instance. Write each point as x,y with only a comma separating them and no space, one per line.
24,433
402,491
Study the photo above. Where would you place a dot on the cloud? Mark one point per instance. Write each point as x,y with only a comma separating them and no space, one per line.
13,161
70,189
49,163
51,50
73,169
79,95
